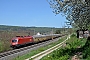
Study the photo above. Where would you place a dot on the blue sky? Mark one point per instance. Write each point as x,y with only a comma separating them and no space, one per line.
29,13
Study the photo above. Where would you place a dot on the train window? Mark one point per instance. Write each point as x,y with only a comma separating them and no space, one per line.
14,40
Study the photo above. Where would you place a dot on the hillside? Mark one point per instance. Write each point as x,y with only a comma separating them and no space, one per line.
28,29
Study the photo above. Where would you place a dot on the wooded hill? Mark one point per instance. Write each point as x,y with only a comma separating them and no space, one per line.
29,29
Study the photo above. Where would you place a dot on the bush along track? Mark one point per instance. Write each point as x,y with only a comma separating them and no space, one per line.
31,53
72,50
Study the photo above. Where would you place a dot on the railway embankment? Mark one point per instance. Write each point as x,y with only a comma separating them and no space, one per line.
51,43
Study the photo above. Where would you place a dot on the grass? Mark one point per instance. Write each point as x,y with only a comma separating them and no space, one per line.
0,46
31,53
73,45
86,50
4,46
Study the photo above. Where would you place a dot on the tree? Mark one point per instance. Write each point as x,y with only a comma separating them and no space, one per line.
77,12
58,32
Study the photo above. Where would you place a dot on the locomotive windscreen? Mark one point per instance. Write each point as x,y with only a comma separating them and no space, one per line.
14,40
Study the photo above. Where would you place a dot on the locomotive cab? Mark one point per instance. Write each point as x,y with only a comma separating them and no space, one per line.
19,41
14,42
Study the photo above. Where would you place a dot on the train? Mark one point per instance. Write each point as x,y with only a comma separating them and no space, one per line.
24,40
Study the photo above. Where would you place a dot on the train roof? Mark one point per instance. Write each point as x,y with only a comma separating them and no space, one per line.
45,35
22,37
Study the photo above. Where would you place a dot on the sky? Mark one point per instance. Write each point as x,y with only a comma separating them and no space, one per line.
29,13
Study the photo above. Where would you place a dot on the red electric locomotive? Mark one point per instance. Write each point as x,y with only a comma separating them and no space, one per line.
21,40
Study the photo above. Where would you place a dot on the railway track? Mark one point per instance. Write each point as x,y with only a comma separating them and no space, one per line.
9,55
44,53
